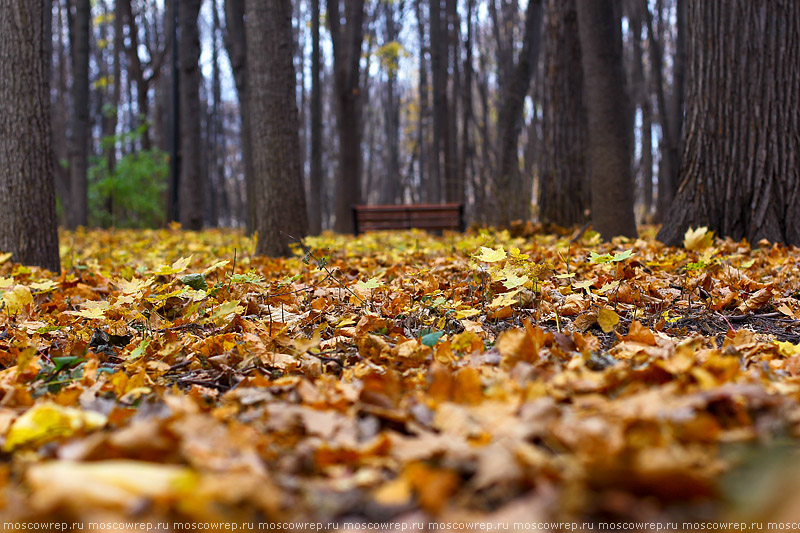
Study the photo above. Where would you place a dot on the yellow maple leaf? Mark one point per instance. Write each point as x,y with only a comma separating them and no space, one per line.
92,310
111,484
607,319
698,238
505,299
178,266
487,255
4,257
44,286
132,286
466,313
215,266
17,298
47,421
787,349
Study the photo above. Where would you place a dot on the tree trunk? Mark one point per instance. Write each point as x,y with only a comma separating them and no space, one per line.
281,214
236,45
609,135
136,70
191,176
218,135
347,42
641,95
670,111
316,192
28,227
740,174
466,104
564,188
453,180
431,184
512,203
439,75
390,189
79,147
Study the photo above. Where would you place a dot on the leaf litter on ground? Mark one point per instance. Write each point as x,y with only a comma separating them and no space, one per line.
169,375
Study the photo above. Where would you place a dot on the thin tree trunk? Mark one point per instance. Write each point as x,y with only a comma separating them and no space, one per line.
347,41
281,217
510,189
316,192
390,189
236,44
642,97
218,133
79,146
430,185
439,75
609,135
670,130
564,191
136,70
453,181
191,177
467,151
740,174
28,227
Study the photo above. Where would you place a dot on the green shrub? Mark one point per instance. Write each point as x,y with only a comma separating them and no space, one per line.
130,196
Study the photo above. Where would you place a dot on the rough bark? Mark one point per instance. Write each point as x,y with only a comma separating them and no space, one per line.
347,40
740,172
453,180
28,227
236,45
281,215
467,152
606,104
439,75
390,187
135,69
563,174
315,178
428,181
191,176
670,110
216,129
641,94
511,201
79,33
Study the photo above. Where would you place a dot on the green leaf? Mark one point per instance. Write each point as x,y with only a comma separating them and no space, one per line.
196,281
622,256
597,258
139,350
66,362
432,338
695,266
371,283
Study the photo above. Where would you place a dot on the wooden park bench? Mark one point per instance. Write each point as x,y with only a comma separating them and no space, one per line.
428,217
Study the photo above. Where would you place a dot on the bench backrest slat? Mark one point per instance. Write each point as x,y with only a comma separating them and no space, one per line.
432,217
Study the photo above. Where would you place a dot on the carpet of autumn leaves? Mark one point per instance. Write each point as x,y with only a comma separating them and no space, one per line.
170,375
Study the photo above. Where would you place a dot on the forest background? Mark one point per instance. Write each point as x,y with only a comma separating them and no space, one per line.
480,102
556,112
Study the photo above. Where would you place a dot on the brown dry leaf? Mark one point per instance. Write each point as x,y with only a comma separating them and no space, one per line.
607,319
756,301
640,333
